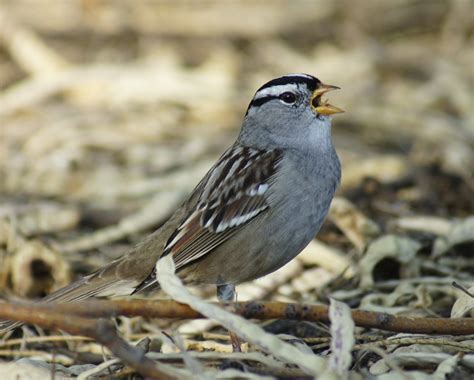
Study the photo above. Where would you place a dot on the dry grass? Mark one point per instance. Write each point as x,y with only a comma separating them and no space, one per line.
110,112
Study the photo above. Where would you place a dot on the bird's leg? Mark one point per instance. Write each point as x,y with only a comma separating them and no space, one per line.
226,293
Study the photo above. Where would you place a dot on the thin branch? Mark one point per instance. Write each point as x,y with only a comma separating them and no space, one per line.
256,310
43,339
101,330
462,288
460,346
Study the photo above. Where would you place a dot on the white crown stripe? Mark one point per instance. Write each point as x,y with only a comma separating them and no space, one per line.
275,90
300,76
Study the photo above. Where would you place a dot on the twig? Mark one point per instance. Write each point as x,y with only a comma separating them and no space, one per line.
251,310
43,339
308,340
453,342
460,346
101,330
27,48
89,373
59,359
462,288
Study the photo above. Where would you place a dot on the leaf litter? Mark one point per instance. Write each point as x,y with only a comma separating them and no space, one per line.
109,118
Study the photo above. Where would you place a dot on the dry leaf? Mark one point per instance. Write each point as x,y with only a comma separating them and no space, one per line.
248,331
464,305
395,248
358,228
461,233
342,337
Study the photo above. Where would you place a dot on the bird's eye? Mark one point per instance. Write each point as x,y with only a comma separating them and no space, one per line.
288,97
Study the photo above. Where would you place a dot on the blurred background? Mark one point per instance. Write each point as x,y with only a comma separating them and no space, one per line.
111,111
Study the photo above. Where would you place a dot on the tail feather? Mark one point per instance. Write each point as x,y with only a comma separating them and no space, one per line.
120,277
87,287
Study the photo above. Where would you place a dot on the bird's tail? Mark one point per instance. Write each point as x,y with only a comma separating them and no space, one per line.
93,285
67,294
121,277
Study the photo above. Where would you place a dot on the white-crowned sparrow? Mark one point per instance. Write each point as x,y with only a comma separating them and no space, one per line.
255,210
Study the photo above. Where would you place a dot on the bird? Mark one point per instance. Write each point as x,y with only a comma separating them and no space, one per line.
256,209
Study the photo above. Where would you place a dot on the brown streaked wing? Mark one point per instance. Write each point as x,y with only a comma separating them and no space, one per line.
228,201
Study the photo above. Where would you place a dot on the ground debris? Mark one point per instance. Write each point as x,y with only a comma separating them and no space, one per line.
110,113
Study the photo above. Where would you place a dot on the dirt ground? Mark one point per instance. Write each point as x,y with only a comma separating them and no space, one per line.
111,112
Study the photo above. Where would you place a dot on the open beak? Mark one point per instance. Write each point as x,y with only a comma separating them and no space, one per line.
322,107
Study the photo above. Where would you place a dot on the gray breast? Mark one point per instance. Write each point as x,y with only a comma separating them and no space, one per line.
299,201
298,208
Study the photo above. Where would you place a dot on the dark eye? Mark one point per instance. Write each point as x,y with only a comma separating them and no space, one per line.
288,97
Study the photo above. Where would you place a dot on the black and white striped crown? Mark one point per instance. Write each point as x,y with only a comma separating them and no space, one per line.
274,88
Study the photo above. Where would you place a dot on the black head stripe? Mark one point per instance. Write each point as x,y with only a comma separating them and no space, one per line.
310,81
259,101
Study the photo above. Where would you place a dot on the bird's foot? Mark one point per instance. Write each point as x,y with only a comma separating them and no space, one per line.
226,293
